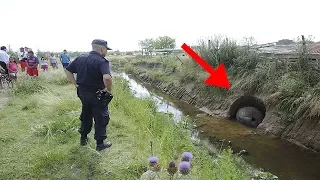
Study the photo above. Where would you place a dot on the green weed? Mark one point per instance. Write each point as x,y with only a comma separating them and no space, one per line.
67,105
44,144
61,80
28,86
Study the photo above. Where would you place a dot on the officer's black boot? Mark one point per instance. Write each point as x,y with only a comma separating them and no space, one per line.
102,145
84,140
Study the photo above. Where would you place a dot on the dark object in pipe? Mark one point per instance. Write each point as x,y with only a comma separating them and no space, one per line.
249,116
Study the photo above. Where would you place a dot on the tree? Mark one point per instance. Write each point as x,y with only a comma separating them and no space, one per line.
248,41
41,53
117,53
308,40
129,53
165,42
147,44
285,42
13,54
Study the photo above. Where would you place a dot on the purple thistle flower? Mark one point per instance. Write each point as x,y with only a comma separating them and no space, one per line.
187,156
184,167
153,159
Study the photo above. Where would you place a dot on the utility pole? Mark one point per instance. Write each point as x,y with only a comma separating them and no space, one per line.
304,47
304,60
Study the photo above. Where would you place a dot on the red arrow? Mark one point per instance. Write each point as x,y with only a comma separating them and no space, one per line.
217,77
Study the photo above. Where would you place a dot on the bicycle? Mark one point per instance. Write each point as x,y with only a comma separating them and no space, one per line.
5,81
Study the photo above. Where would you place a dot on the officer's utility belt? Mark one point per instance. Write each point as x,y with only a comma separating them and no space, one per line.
101,95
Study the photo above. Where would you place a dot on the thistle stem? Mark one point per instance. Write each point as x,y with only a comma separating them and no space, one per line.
171,177
189,176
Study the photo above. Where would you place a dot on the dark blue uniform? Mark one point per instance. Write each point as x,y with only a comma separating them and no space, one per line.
90,69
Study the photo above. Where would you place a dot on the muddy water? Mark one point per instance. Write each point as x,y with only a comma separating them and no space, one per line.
277,156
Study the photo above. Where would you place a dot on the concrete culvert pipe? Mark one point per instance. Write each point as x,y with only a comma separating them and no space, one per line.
248,110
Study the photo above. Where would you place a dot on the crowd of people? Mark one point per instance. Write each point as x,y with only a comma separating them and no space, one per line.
29,63
93,83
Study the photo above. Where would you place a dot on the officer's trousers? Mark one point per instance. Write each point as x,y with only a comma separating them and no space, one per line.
92,108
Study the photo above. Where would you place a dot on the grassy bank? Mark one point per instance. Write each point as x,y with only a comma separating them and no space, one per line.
293,88
39,138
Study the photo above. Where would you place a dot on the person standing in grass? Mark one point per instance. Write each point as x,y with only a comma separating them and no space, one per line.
4,59
44,64
26,50
32,64
94,90
22,59
65,59
53,61
12,68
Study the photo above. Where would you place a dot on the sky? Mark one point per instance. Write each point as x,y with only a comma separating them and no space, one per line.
55,25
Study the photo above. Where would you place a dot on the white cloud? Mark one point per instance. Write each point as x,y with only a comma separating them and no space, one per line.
72,24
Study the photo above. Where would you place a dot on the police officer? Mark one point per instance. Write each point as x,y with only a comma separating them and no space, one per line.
94,90
4,59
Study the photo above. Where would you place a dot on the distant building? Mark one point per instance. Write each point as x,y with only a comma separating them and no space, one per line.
290,52
288,49
314,48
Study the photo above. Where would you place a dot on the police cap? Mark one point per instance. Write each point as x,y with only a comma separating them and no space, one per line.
101,42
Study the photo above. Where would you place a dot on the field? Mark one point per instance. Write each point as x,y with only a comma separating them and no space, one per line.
39,138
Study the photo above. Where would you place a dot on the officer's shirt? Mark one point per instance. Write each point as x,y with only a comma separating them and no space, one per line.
90,69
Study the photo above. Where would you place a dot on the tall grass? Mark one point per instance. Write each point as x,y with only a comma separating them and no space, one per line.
218,50
42,142
29,86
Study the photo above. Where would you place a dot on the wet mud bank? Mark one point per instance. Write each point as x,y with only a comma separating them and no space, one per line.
271,154
302,132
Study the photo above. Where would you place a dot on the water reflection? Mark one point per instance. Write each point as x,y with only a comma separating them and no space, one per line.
162,104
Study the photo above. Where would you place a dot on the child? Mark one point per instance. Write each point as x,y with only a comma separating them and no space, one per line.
44,64
32,65
12,68
53,61
22,58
